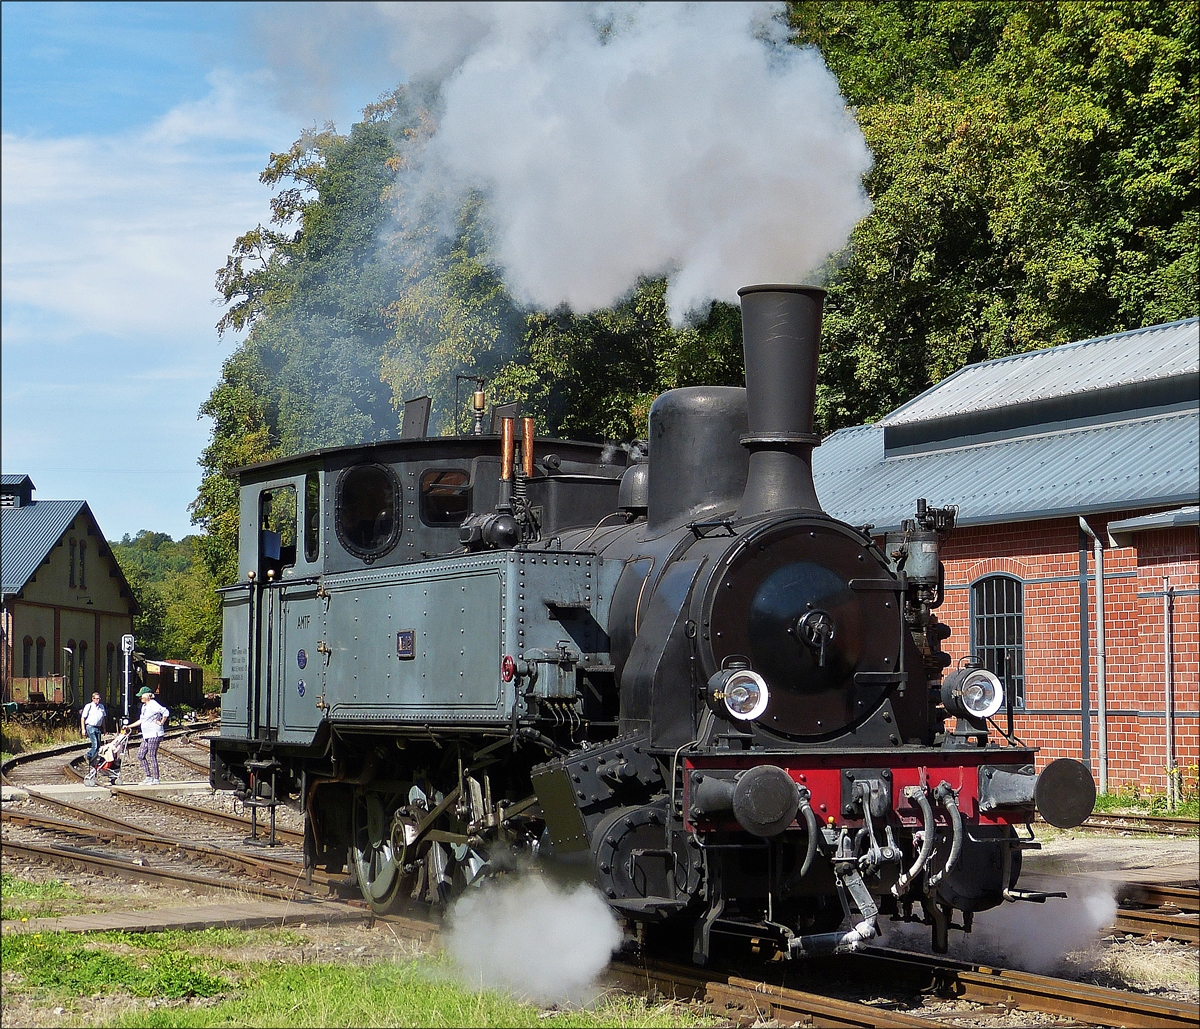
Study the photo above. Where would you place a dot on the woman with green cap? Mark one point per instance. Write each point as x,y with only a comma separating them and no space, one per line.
153,723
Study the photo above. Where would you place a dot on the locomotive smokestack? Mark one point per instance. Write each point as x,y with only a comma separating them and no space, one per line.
781,332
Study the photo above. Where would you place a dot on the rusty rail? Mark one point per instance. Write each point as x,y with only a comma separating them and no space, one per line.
1026,991
748,1002
104,827
1181,926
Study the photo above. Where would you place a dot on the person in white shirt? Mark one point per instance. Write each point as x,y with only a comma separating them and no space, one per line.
91,724
153,724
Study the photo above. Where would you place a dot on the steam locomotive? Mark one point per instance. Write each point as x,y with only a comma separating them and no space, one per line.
670,671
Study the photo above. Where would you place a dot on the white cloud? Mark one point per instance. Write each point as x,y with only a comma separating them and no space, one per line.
109,249
123,234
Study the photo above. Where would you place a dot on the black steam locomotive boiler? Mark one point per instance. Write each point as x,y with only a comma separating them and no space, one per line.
671,672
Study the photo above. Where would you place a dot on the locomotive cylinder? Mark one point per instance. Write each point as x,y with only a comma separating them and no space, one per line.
781,332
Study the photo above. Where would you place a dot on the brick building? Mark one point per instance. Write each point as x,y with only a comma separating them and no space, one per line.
64,602
1037,449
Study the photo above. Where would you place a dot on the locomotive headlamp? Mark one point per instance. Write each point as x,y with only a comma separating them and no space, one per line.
973,692
742,693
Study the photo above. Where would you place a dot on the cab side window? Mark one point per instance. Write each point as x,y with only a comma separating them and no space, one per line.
277,529
445,496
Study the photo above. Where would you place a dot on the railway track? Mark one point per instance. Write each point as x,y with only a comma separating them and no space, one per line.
1152,909
749,1002
1166,925
726,994
288,874
81,858
19,761
1157,825
191,810
1025,991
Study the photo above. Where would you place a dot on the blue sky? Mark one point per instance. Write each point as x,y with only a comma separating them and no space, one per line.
133,135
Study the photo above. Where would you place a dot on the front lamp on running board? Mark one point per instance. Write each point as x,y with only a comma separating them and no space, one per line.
739,693
972,692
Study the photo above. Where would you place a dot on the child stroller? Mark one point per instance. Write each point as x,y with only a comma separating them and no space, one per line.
108,759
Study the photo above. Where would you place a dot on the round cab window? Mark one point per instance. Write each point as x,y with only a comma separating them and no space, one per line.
368,516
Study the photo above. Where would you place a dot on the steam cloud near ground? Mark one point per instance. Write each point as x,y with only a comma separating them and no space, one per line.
533,938
1033,937
622,140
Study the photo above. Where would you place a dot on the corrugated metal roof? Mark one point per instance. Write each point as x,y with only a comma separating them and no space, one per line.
14,480
1153,461
26,536
1122,359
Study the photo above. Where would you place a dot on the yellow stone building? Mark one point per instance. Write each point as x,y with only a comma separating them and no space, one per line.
65,602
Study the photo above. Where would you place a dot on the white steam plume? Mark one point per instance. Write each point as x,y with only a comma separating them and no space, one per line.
1033,937
621,140
533,938
680,142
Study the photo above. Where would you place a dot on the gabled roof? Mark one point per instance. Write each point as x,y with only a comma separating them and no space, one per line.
1100,425
1138,463
28,534
1093,380
14,480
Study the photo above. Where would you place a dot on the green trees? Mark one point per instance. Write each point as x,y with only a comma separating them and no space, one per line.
1034,184
180,616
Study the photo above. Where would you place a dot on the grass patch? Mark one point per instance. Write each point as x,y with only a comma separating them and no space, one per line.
418,993
164,970
1132,799
20,737
21,899
61,964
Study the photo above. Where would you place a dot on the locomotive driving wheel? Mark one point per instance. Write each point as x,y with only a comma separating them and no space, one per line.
378,855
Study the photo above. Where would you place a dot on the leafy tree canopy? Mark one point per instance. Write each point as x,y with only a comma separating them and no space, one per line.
180,617
1034,183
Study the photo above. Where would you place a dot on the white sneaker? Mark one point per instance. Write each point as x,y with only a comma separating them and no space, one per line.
150,782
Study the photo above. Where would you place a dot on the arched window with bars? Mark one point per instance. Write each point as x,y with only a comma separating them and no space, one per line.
998,630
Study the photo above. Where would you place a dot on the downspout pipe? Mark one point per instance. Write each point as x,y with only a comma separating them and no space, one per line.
1101,660
1169,680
